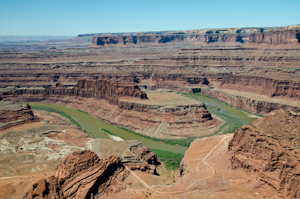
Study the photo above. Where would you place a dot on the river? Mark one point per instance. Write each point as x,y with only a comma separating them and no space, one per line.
94,125
245,117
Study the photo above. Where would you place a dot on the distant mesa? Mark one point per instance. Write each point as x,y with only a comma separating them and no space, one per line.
200,36
276,37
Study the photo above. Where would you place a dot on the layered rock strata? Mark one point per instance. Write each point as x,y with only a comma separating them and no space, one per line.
262,85
12,114
276,37
216,60
163,39
270,148
100,89
132,154
248,104
149,119
82,175
200,36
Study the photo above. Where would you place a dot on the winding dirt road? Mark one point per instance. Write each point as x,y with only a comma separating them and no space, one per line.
186,189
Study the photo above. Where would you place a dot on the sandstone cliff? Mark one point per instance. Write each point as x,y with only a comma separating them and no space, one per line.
100,89
196,36
248,104
82,175
276,37
163,39
270,148
12,114
262,85
152,120
131,153
110,88
104,101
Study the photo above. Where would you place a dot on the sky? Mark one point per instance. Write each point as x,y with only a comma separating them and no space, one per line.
73,17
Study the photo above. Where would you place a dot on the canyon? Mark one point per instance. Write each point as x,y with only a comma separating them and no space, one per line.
127,106
135,81
13,114
30,153
254,66
213,165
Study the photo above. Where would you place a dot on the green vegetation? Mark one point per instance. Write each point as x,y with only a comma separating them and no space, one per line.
171,160
182,142
109,132
231,123
72,120
83,111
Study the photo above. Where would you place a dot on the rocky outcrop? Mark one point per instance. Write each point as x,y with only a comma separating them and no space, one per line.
162,39
82,175
131,153
186,78
109,102
262,85
110,88
152,120
100,89
276,37
224,60
200,36
12,114
270,148
248,104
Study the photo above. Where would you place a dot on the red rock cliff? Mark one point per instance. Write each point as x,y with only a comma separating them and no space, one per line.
276,37
262,85
101,89
270,148
162,39
12,114
111,88
82,175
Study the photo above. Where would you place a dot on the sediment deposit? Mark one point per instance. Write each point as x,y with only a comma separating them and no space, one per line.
270,148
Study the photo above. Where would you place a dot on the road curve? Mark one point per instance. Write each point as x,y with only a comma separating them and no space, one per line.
186,189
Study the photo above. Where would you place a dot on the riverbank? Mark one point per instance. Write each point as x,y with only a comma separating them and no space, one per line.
224,108
253,103
94,126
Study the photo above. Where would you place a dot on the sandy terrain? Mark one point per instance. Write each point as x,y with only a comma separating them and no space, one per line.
27,154
198,180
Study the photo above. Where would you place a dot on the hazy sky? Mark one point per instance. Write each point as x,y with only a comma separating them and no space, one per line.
73,17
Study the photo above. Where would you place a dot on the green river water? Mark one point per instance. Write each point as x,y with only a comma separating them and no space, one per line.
94,125
245,118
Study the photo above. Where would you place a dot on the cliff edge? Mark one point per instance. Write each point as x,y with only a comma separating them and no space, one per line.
270,148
